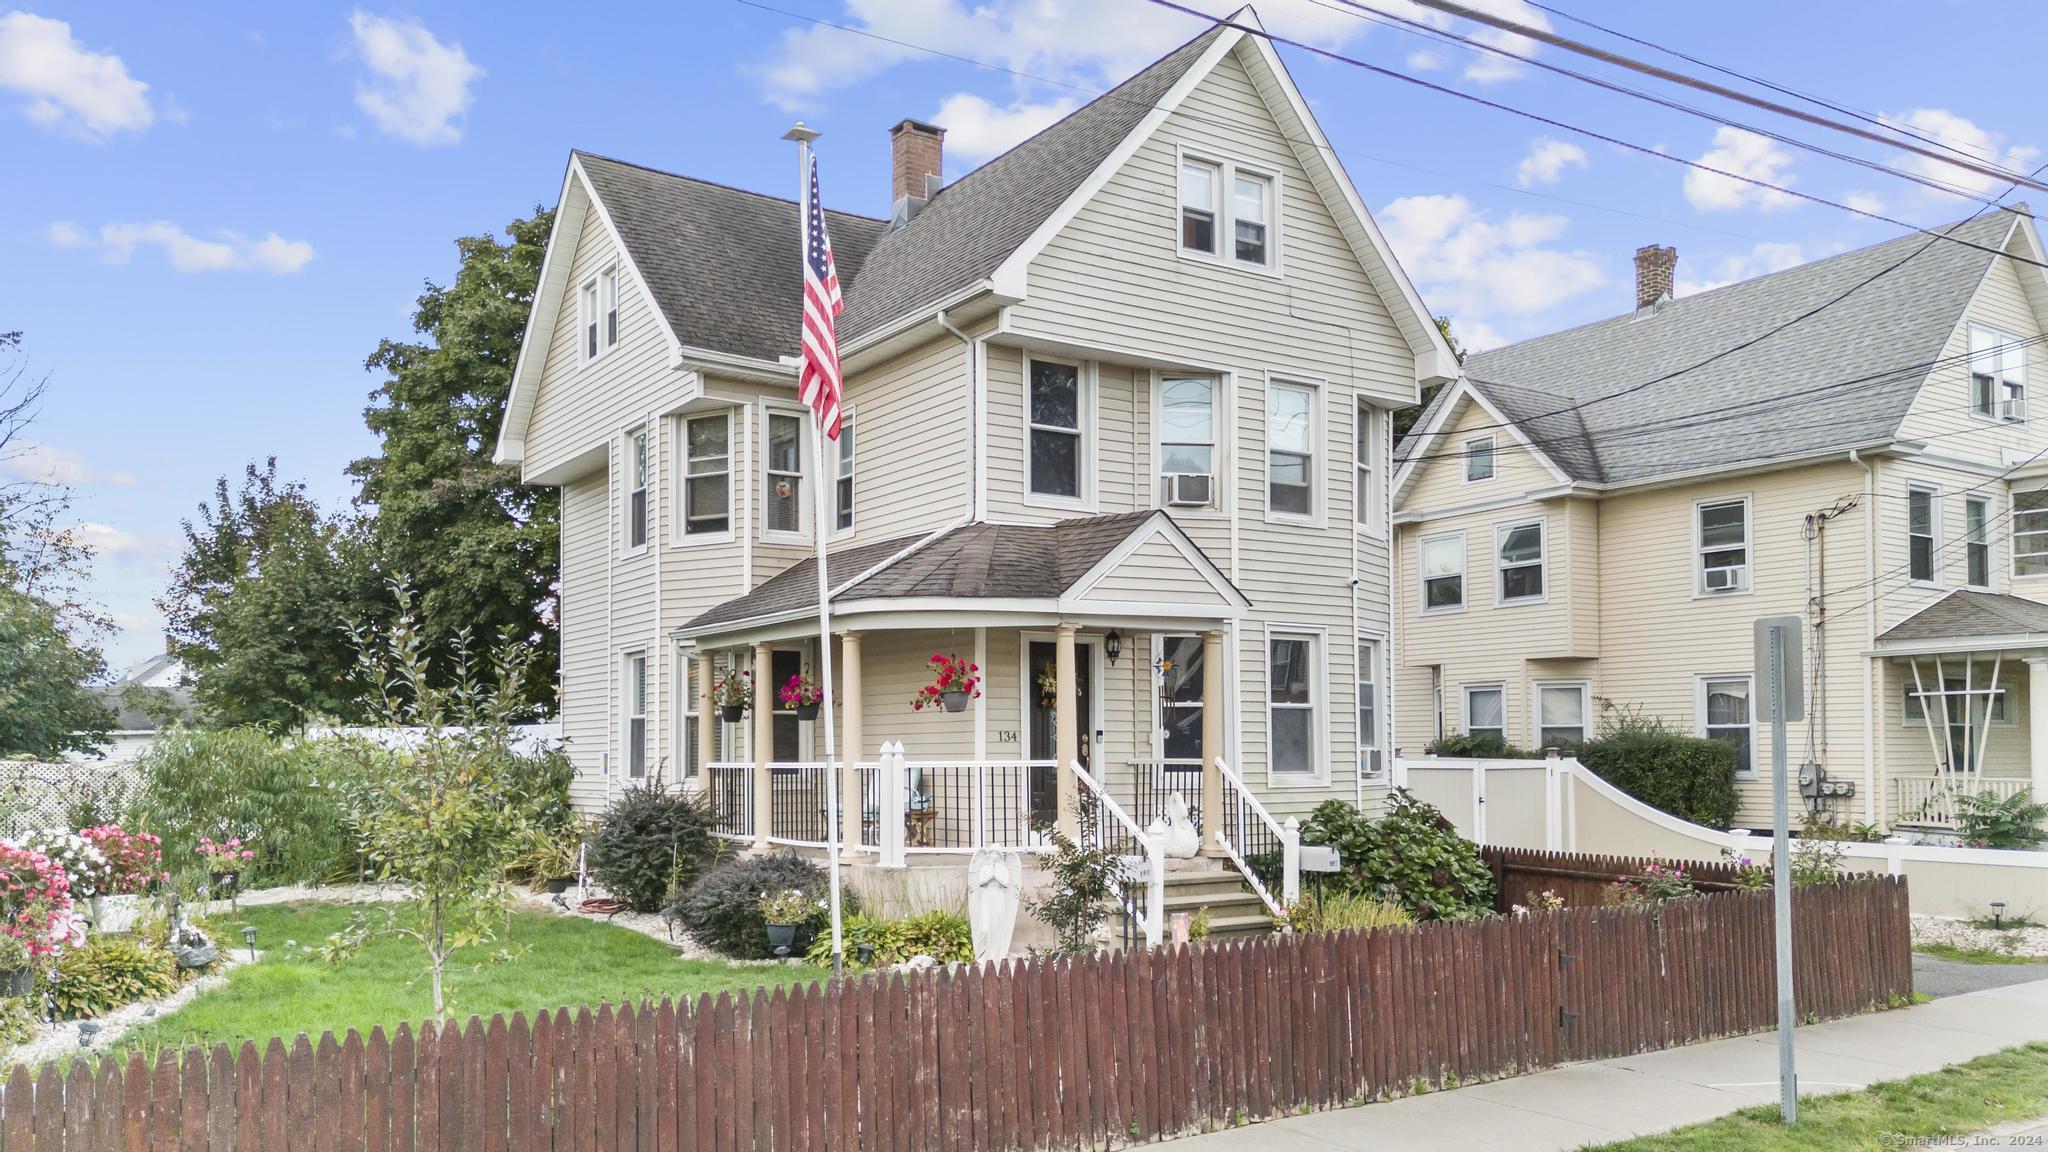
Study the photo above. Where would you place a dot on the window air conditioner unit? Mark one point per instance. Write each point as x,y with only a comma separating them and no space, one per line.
1723,579
1188,490
2012,408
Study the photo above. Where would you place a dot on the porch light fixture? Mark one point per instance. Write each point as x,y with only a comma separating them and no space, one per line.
1113,645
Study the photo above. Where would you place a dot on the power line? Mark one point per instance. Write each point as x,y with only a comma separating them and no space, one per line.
1545,36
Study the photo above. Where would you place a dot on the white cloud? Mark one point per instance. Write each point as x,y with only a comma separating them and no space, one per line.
118,243
1981,144
40,463
1740,153
68,86
977,129
1488,68
417,87
110,543
1766,257
1481,270
1424,60
1863,201
1547,160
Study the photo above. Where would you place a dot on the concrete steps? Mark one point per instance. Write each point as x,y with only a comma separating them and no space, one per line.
1234,909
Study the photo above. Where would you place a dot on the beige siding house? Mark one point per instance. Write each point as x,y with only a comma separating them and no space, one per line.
1119,434
1592,520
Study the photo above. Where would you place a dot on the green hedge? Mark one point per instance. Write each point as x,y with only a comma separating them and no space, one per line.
1487,747
1689,777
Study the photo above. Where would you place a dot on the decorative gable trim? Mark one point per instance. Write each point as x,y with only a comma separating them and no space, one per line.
1438,427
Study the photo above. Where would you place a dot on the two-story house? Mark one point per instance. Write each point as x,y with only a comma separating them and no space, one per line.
1117,432
1596,517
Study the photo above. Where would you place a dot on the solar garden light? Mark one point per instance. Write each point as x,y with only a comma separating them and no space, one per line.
1998,914
249,938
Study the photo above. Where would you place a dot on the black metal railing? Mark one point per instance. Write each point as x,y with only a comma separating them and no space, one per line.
800,803
959,807
1252,838
732,800
1148,788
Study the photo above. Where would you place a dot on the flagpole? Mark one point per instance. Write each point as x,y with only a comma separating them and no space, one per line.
821,518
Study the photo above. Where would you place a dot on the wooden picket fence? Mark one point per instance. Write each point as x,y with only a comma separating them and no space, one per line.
1047,1053
1520,875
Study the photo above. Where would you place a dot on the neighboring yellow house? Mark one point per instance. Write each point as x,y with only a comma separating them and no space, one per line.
1594,519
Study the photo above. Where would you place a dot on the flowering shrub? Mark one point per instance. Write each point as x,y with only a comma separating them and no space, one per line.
949,674
1545,901
1812,862
82,863
1657,884
35,900
133,860
798,691
224,855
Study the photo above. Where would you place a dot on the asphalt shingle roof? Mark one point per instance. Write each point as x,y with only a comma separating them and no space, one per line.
1720,413
1964,613
723,266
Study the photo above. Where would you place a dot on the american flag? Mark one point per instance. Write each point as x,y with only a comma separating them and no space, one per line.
818,382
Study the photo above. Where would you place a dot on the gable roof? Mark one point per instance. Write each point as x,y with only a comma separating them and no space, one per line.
1890,331
1963,614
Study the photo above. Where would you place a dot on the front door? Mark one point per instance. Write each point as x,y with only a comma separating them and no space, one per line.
1044,734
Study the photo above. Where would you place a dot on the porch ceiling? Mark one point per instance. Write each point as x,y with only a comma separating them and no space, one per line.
1965,620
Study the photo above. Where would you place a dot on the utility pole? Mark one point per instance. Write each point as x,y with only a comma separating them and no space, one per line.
1779,654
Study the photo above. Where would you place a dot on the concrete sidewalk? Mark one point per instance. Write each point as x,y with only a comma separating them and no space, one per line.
1569,1107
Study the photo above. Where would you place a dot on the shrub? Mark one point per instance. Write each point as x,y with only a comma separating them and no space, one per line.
81,860
943,936
1344,912
133,860
285,796
1988,822
1410,856
107,972
722,910
1083,880
1482,747
649,843
1656,884
1690,777
17,1022
1816,861
35,900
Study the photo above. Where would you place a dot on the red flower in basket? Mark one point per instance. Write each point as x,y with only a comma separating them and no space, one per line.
954,683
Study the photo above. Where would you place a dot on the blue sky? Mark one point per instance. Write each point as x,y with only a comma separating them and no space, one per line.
212,213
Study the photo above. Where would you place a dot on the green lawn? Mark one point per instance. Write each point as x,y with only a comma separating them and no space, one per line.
2000,1088
568,961
1975,955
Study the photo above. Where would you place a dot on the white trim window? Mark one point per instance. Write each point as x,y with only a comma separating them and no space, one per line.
1290,450
782,475
1372,757
1486,711
1977,541
1055,415
1520,566
633,735
1364,452
683,673
842,487
707,475
1251,213
1479,459
1923,530
2030,532
1201,184
1292,745
639,462
1998,375
1563,712
1223,205
1187,441
1440,561
598,314
1721,546
1180,697
1727,712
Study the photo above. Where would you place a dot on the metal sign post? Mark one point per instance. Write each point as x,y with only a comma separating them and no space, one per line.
1780,673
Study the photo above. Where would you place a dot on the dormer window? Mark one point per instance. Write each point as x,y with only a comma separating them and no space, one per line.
1998,374
598,308
1227,213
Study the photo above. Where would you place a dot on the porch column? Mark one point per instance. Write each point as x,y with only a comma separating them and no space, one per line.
1212,743
1066,720
764,747
849,743
707,720
2037,724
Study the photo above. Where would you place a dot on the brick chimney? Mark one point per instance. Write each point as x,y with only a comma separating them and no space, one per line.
915,151
1655,269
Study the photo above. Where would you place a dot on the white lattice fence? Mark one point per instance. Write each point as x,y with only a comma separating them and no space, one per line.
38,794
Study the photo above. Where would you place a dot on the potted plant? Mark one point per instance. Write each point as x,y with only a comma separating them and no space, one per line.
224,861
785,912
954,683
733,694
801,694
132,864
551,859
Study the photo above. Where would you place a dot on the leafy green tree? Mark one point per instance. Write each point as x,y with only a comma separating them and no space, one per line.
479,547
261,601
46,706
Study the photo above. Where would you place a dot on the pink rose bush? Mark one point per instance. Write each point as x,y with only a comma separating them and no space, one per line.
133,860
35,900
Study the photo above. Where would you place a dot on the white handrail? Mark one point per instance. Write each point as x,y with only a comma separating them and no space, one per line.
1108,802
1289,836
1155,858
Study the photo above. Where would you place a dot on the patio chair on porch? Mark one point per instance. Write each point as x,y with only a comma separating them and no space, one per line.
919,813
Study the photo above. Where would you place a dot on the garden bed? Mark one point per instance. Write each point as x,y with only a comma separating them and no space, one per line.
1970,936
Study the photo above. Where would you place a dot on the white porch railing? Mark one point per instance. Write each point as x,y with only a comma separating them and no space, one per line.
1932,799
1252,838
1112,825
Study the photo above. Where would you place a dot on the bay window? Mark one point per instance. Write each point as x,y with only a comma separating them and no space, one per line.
1977,541
842,491
783,474
1921,516
707,474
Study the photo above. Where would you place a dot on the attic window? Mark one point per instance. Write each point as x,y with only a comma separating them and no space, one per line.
1227,213
1198,209
598,313
1998,374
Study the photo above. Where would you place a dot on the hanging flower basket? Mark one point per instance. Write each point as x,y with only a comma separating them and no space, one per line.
733,694
802,695
954,683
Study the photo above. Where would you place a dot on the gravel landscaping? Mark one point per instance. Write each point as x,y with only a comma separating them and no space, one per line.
1967,937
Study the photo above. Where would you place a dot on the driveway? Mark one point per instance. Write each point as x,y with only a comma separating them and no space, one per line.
1939,977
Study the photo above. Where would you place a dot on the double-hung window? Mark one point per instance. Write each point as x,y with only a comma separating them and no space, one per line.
842,492
1923,518
707,474
1364,492
1187,441
684,674
1486,712
1371,756
1562,714
1180,697
1290,450
1726,713
1721,546
2030,533
635,735
783,473
1998,374
1977,541
598,304
638,465
1054,411
1519,562
1291,705
1442,561
1479,459
1227,212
